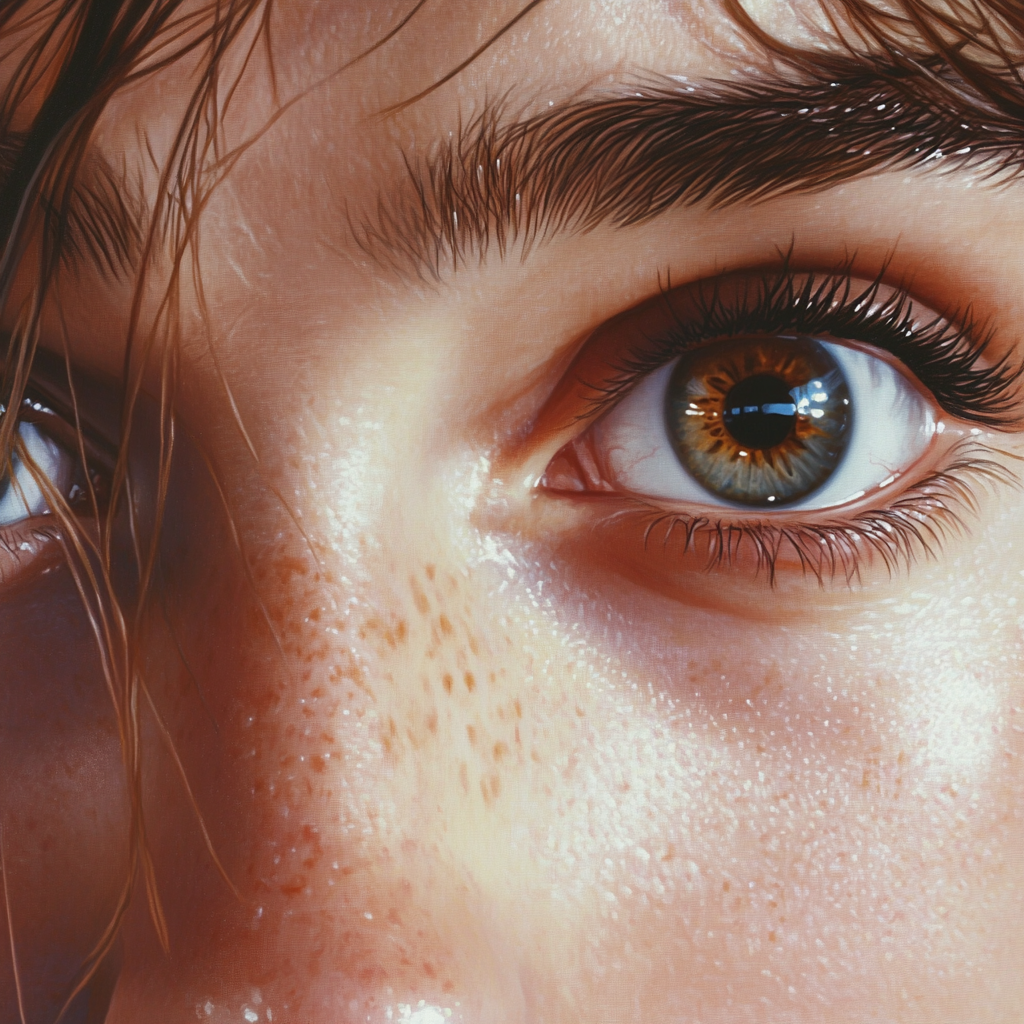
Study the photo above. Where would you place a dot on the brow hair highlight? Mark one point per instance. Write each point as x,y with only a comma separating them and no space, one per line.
901,87
624,160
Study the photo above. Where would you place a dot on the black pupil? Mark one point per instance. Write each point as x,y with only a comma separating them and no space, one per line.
759,412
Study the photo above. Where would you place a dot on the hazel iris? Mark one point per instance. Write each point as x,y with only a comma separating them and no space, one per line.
759,421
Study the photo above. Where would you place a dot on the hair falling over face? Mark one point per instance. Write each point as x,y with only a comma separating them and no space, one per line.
490,188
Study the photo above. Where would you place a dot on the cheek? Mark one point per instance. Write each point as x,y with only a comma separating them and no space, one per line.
63,799
433,771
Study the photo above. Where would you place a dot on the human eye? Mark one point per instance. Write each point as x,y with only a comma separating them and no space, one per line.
777,420
57,473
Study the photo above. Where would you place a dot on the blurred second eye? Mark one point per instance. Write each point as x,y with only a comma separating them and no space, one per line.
21,497
756,422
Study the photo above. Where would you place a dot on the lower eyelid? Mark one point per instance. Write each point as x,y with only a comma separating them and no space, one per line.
29,549
663,546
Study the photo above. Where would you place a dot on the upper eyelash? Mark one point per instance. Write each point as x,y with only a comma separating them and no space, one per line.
946,355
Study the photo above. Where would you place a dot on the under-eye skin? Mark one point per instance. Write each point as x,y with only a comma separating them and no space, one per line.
781,420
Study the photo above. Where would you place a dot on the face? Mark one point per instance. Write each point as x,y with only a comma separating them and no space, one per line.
615,621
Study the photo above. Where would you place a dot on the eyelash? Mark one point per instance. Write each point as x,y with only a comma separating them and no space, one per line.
946,356
33,544
916,524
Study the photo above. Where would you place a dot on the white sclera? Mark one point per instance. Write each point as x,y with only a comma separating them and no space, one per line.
893,425
22,496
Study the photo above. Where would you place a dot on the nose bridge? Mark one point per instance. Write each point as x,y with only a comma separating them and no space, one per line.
345,726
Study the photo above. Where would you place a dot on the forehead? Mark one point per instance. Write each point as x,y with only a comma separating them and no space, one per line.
390,79
321,122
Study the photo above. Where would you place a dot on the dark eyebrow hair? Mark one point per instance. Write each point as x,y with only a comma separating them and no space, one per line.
625,159
105,220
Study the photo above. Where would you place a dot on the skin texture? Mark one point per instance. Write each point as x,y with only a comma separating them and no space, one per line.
460,742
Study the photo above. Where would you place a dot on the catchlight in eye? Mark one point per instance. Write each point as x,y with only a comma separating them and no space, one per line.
759,421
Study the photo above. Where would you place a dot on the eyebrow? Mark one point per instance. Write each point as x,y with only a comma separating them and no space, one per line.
104,222
626,159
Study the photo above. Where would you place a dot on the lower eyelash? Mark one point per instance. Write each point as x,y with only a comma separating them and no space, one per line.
913,527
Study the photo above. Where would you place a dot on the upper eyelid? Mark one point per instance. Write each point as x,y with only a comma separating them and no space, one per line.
951,351
101,455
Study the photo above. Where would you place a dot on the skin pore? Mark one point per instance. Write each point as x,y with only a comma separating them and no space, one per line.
466,748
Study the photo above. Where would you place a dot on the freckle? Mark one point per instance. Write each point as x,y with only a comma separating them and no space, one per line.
420,599
314,615
495,785
464,777
471,733
448,986
429,971
288,567
473,645
445,624
432,722
470,682
446,682
534,756
318,763
431,571
518,707
500,750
